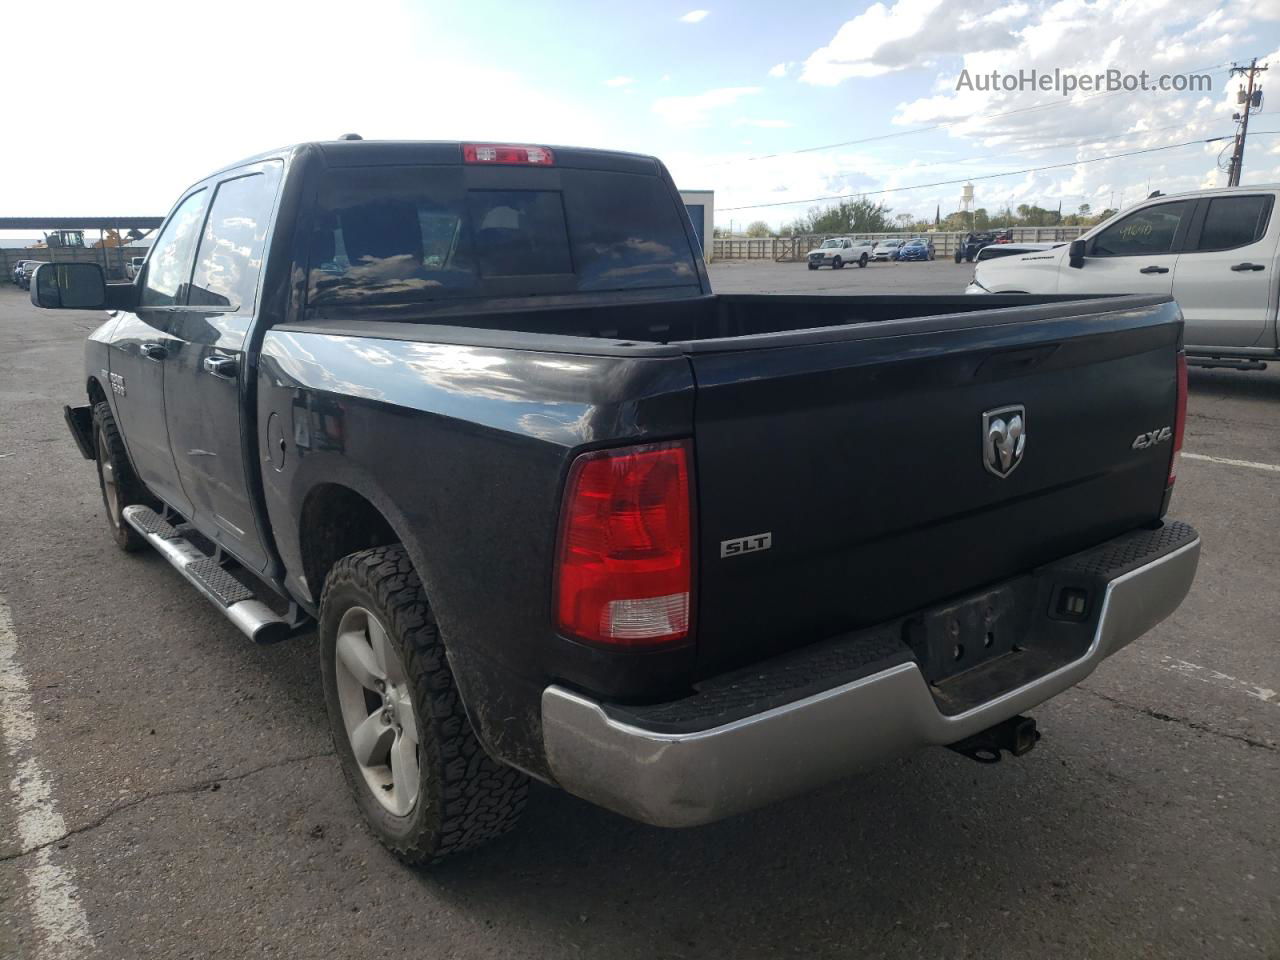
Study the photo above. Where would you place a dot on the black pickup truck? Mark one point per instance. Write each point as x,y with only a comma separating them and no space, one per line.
472,414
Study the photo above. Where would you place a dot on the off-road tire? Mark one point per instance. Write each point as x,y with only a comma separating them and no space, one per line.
109,446
465,797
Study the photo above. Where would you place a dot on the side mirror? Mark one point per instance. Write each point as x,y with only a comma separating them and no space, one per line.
69,286
1075,254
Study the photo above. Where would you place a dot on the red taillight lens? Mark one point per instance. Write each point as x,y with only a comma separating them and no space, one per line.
507,153
624,569
1180,417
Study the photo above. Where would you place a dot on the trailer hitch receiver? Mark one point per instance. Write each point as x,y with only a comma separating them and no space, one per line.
1017,735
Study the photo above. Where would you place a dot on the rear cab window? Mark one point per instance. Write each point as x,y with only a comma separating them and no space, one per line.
419,234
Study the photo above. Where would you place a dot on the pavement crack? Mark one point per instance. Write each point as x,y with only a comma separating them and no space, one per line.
212,783
1182,721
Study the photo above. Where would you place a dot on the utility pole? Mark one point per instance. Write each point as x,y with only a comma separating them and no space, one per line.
1252,100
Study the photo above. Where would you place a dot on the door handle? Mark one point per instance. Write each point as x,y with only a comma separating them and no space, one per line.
1248,266
223,367
153,351
1154,270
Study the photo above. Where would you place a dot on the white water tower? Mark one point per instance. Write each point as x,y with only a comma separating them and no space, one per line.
966,201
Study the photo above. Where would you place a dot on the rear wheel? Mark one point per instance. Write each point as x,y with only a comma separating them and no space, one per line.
862,260
410,756
119,484
837,264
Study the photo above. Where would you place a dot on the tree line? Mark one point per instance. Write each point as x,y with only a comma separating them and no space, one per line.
863,215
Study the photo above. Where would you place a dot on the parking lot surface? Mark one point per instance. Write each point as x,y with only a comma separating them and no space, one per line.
168,789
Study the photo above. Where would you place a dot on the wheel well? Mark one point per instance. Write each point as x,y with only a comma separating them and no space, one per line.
337,521
96,396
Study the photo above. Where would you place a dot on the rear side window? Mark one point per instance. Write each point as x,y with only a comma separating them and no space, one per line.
1148,232
1234,222
418,234
171,256
230,256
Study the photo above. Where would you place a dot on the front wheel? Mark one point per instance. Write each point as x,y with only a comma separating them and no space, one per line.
862,260
120,486
837,264
407,749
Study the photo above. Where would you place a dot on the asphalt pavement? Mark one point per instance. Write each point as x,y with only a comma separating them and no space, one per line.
168,790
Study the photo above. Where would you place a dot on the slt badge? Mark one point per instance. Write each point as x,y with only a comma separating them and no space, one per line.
1004,439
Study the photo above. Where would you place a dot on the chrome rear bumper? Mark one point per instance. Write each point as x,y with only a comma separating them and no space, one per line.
689,778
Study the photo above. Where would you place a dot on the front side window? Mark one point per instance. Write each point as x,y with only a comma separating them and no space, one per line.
1147,232
1234,222
171,256
231,248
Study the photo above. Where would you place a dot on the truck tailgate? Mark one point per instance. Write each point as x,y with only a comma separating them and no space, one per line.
859,452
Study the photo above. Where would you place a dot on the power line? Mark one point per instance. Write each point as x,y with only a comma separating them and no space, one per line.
988,176
1080,142
1064,102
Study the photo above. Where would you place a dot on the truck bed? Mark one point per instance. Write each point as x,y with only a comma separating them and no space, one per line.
847,428
693,320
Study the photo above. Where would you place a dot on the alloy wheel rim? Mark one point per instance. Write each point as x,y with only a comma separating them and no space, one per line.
110,489
377,710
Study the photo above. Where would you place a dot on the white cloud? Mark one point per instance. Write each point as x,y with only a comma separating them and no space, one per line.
778,70
910,33
695,16
764,124
694,111
619,81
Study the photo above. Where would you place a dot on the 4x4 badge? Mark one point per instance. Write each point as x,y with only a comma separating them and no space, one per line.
1004,439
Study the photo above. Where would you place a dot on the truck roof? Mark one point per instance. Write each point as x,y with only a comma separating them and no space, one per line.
344,153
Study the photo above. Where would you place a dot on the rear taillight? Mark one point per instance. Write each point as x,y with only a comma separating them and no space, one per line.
507,153
1180,417
624,564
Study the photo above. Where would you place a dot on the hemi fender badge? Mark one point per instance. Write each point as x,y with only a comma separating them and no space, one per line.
740,545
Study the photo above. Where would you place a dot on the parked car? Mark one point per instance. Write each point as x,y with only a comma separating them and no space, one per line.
557,510
134,266
1214,251
886,250
837,251
17,271
27,271
971,243
917,248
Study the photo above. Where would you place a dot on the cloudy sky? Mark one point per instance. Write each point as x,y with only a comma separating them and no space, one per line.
731,97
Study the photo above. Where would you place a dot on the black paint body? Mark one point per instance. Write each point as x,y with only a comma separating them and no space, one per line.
846,427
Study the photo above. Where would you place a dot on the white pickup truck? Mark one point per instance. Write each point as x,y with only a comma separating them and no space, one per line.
835,252
1215,251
